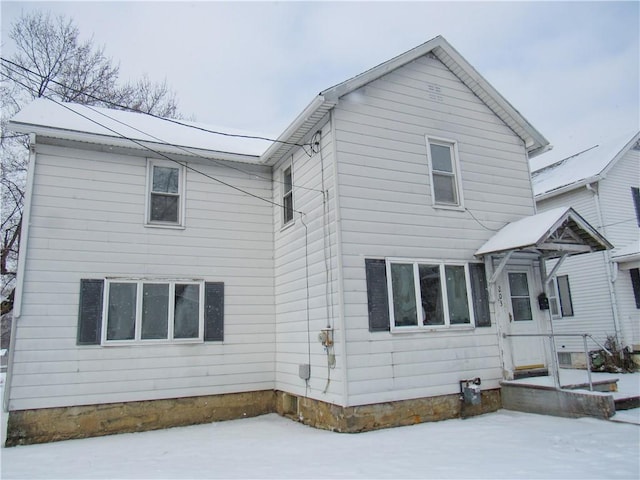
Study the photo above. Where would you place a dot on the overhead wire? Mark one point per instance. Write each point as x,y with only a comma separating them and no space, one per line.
169,120
128,108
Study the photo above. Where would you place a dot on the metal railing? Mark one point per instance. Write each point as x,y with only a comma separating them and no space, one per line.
551,336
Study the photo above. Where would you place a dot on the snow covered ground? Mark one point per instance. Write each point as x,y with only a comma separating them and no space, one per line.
504,444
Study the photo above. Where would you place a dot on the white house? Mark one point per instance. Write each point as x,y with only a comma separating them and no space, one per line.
598,293
171,275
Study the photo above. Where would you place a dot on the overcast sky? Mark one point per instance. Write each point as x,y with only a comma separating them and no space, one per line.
571,68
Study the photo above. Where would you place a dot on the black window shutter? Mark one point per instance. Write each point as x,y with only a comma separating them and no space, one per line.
564,292
635,193
213,311
635,283
90,312
480,295
377,298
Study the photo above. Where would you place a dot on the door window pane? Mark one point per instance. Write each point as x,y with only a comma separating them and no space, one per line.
431,293
404,295
187,311
457,294
520,300
121,319
155,311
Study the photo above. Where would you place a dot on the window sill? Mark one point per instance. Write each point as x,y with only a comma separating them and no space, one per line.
137,343
431,329
162,225
455,208
287,226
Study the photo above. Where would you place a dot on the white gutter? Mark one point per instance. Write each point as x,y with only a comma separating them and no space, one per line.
293,127
567,188
611,278
22,259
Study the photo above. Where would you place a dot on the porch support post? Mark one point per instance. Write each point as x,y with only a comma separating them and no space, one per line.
547,278
501,265
555,369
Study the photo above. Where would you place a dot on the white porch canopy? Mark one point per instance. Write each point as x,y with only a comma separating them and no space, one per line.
554,233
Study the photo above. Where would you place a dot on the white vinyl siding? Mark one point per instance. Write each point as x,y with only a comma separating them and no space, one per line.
87,221
306,279
387,210
588,274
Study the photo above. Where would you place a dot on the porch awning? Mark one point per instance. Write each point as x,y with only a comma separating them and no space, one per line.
552,234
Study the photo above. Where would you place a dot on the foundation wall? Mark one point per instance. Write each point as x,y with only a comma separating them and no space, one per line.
53,424
382,415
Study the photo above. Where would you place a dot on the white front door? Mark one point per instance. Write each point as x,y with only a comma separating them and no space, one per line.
524,318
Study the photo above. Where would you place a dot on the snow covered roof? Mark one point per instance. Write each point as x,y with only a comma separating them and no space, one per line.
327,99
72,121
628,253
554,232
582,168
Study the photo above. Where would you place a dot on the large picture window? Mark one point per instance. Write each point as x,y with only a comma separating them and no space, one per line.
428,294
444,172
139,311
165,196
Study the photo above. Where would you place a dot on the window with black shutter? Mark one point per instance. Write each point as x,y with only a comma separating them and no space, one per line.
377,296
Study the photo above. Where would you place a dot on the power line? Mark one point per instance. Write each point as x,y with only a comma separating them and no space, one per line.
171,159
125,107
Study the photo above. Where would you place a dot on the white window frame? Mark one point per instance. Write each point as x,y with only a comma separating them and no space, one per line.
152,162
554,299
455,166
287,194
138,340
443,289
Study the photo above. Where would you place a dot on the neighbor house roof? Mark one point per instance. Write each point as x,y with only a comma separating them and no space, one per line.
71,121
304,124
553,233
583,168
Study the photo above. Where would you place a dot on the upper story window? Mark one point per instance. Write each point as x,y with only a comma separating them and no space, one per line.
165,193
444,171
635,194
287,196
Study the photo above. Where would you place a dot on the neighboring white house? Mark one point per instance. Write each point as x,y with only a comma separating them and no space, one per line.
170,275
597,293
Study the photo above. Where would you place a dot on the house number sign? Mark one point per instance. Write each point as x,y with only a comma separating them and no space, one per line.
500,295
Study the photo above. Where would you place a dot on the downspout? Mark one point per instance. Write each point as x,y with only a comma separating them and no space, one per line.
22,259
607,265
338,224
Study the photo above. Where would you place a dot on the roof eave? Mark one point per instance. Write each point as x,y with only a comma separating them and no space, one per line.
134,144
568,188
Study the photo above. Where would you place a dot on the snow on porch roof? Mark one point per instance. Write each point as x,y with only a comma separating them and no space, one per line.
553,233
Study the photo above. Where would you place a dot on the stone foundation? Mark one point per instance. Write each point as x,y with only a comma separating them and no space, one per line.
382,415
64,423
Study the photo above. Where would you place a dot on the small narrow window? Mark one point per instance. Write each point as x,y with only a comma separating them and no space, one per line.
564,294
287,196
635,193
165,193
635,283
554,304
443,168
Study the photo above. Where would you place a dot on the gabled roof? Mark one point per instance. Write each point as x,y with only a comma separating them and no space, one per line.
327,99
583,168
551,233
71,121
108,127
